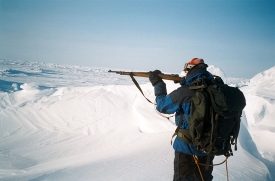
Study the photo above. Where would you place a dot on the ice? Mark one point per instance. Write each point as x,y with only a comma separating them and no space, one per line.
63,122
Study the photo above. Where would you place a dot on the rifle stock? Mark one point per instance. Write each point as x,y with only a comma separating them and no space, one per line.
174,77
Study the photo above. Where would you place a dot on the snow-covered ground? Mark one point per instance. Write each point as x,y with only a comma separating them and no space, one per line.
60,122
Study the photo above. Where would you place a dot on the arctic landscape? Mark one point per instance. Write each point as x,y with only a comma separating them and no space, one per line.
74,123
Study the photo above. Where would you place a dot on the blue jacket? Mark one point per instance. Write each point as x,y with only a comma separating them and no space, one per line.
179,101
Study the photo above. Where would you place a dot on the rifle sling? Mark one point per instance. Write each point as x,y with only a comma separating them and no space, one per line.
137,85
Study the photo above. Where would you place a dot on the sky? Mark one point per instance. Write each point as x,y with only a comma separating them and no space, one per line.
236,36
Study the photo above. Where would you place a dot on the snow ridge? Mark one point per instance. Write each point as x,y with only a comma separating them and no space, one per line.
63,122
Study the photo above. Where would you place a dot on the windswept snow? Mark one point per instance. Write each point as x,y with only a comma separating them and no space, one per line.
61,122
216,71
260,114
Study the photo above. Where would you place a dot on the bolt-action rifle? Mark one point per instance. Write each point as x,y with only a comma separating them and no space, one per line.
174,77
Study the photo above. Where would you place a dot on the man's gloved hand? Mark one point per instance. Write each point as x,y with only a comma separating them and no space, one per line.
154,78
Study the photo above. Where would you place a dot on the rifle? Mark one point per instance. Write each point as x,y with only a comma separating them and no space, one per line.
175,77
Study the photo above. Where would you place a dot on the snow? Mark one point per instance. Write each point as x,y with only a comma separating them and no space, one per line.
61,122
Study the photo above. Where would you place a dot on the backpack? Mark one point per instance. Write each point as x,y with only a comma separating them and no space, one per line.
215,113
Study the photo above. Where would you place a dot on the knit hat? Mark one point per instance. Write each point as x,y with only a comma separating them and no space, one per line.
192,63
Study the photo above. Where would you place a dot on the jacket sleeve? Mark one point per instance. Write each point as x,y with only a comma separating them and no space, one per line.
165,104
164,101
177,100
160,88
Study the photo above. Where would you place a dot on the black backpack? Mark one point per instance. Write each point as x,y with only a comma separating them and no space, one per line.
215,113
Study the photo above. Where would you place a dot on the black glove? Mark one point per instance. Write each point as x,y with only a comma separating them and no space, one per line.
154,78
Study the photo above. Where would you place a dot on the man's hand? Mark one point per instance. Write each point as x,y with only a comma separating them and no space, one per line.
154,78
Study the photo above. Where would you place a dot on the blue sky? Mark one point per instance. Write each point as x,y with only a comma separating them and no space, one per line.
236,36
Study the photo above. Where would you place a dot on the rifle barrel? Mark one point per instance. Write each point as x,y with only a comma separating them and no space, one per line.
174,77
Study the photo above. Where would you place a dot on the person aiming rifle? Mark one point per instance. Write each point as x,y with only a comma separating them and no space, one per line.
179,102
207,114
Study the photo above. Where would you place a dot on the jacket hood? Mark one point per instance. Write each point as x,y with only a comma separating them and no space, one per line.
197,72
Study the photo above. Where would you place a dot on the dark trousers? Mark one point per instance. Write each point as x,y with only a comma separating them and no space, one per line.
185,168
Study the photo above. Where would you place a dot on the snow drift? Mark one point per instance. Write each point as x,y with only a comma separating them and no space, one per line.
60,122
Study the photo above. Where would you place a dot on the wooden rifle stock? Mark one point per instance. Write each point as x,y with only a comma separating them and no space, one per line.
175,77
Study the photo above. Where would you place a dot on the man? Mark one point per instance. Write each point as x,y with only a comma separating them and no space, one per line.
179,102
